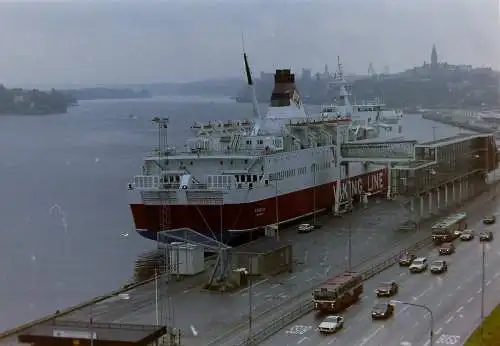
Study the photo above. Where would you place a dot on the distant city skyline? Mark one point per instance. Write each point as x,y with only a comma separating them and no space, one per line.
87,43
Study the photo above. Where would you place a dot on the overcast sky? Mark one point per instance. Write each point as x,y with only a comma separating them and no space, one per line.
126,41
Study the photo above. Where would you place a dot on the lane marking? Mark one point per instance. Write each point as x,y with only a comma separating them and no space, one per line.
275,286
449,319
488,283
292,278
459,287
258,294
460,309
496,275
427,343
478,291
439,331
369,337
401,274
302,340
470,299
331,341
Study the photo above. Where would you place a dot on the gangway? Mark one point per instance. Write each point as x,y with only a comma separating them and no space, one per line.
383,151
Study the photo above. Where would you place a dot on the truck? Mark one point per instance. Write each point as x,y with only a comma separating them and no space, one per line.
449,228
338,293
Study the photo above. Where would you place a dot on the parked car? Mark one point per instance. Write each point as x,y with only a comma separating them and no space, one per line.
305,228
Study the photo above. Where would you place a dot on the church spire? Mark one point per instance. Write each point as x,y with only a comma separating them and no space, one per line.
434,57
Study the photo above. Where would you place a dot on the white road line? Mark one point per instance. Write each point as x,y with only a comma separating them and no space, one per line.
427,343
292,278
367,339
496,275
258,294
488,283
460,309
449,320
307,270
470,299
439,331
331,341
275,286
478,291
302,340
402,274
459,287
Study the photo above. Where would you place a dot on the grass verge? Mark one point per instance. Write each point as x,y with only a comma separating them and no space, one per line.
491,331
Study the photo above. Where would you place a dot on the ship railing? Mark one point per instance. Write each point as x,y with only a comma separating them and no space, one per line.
205,153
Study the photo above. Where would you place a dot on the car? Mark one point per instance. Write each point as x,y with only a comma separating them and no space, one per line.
486,236
387,289
406,259
382,311
446,249
408,225
418,265
489,220
305,228
467,235
439,266
331,324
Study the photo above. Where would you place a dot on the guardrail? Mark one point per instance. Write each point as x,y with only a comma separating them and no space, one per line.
306,306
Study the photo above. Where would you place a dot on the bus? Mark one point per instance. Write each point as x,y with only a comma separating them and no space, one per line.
449,228
338,292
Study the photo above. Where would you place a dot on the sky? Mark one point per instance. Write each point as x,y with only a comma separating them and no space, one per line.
85,42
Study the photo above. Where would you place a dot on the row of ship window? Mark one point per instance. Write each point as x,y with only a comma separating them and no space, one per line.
299,171
253,178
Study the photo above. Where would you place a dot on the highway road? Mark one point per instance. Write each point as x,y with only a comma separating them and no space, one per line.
454,298
320,254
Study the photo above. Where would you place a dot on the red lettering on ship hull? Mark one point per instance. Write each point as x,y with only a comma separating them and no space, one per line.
206,219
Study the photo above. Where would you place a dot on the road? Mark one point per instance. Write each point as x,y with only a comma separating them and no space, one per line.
318,255
454,298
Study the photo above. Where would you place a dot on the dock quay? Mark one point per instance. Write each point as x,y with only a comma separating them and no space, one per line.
421,189
460,120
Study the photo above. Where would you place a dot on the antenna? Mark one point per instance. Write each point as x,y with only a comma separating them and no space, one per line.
248,73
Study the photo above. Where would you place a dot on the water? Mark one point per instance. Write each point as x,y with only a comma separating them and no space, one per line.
64,214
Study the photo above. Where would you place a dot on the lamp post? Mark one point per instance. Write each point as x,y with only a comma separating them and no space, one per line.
426,308
482,290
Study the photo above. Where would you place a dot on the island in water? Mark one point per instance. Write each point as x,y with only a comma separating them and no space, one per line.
34,102
101,93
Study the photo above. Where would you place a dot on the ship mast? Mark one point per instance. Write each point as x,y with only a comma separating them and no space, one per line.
255,105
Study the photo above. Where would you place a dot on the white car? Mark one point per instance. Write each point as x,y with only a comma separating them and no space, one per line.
418,265
305,228
331,324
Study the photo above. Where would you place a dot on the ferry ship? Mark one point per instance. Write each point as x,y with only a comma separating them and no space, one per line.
237,177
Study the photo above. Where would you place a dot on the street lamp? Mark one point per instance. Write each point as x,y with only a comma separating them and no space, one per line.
482,289
426,308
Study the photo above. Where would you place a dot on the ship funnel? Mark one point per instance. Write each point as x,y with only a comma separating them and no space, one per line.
285,91
285,99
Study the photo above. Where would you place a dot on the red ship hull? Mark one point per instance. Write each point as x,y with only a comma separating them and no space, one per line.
225,220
